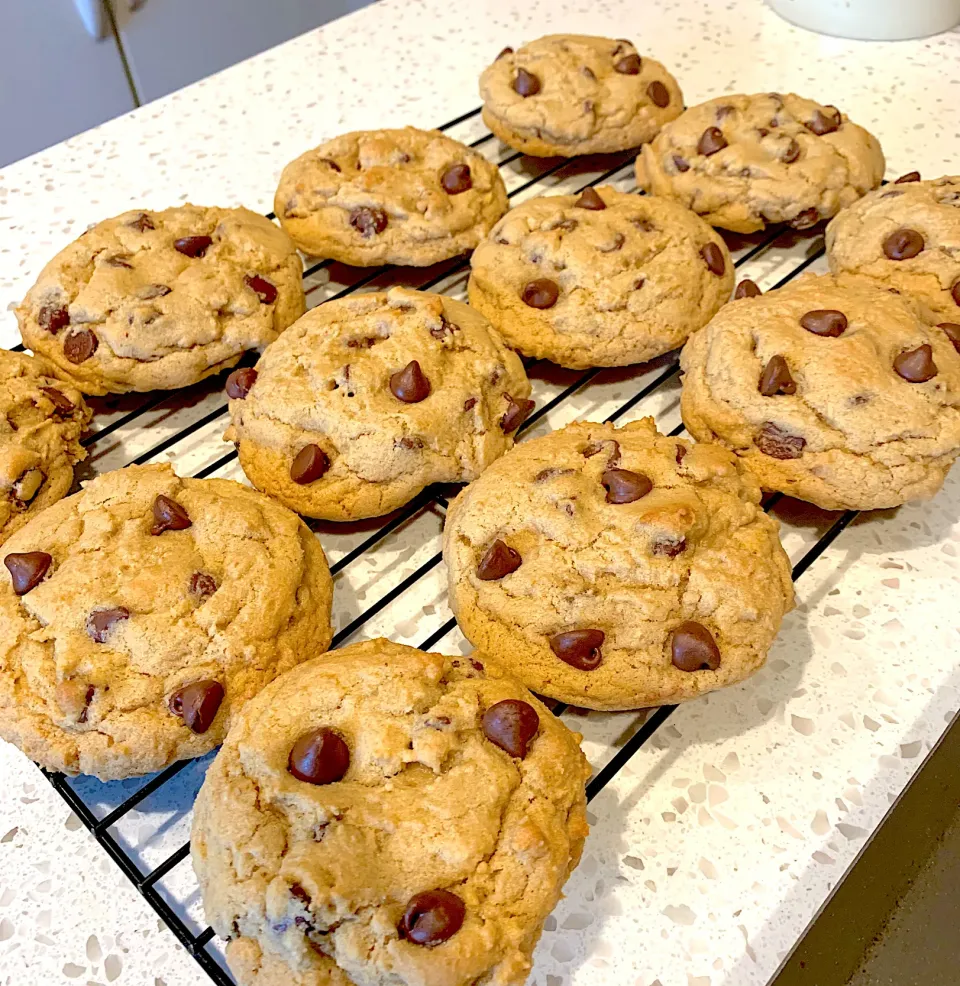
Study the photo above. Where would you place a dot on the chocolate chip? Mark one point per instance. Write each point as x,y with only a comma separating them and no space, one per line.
511,724
908,177
27,569
192,246
791,152
916,365
955,292
319,756
713,258
681,453
432,917
239,383
368,221
669,547
541,293
197,704
506,51
779,444
142,223
658,93
515,414
470,403
711,141
58,400
594,448
78,347
681,164
824,122
692,648
567,225
53,318
202,585
100,621
408,443
724,111
776,378
456,179
87,699
579,648
300,894
902,244
624,486
952,330
589,199
262,288
824,322
615,244
806,219
151,291
330,163
168,515
629,64
309,464
409,384
588,73
526,83
119,261
498,560
747,289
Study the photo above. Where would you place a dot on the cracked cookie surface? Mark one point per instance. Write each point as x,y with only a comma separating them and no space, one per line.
861,412
314,880
589,560
160,300
367,400
570,94
905,236
133,621
409,196
628,277
41,421
743,161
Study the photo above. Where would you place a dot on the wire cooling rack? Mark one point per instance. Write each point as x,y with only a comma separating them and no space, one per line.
387,573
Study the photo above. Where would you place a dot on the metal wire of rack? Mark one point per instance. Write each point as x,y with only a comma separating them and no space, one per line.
533,175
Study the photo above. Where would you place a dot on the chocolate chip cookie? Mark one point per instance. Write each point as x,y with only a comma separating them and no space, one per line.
134,622
742,162
831,390
600,278
41,420
367,400
382,814
409,196
906,237
570,94
160,300
615,568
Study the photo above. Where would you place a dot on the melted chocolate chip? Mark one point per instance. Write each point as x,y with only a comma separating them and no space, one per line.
658,93
515,414
791,152
624,486
526,83
824,322
594,448
806,219
78,347
511,725
692,648
239,383
202,585
60,402
825,121
903,244
142,223
615,244
168,515
309,464
432,917
579,648
916,365
669,547
262,288
456,179
368,222
747,289
713,258
330,163
87,699
151,291
409,384
541,293
681,164
319,756
908,177
470,403
629,64
197,704
506,51
779,444
711,141
681,453
100,622
192,246
952,331
498,561
776,378
590,199
27,569
955,292
53,318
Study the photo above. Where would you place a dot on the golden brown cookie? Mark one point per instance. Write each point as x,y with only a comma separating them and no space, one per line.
134,621
742,162
41,421
367,400
570,94
160,300
407,196
615,568
829,389
600,278
385,815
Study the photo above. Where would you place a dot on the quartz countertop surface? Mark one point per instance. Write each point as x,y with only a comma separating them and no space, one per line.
715,846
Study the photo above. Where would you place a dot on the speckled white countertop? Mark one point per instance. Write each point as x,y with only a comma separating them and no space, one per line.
716,845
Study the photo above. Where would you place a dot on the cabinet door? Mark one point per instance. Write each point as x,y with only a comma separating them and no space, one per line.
55,80
171,43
